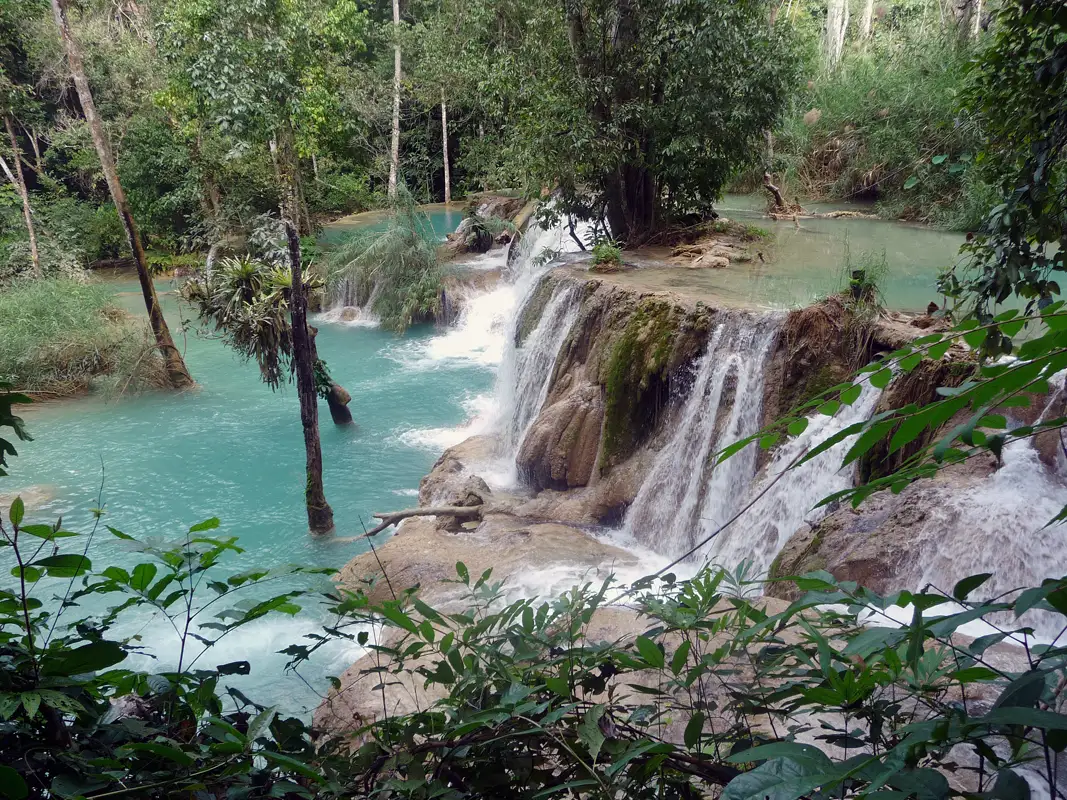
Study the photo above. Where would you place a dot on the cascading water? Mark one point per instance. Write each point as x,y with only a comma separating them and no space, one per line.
685,498
722,405
526,377
790,494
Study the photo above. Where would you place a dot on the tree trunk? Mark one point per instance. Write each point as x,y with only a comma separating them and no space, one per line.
394,154
968,18
444,148
836,26
177,373
19,180
866,20
320,515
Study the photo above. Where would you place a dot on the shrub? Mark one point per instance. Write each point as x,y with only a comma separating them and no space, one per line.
57,335
886,125
394,271
712,692
607,252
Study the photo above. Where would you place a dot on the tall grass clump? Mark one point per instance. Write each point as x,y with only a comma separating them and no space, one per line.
58,335
886,126
393,272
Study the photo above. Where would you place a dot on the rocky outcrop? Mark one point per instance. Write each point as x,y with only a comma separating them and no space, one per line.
519,550
613,380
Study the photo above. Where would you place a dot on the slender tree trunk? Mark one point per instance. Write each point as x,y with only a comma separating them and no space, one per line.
394,154
177,373
19,179
866,20
320,515
444,148
836,26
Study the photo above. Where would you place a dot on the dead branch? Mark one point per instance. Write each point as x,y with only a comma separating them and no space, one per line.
392,517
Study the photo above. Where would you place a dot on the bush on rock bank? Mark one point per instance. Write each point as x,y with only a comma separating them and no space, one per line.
60,335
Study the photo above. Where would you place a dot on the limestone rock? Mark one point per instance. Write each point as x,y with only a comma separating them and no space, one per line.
420,554
560,450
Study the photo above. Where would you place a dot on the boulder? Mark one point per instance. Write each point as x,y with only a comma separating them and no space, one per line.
560,449
549,555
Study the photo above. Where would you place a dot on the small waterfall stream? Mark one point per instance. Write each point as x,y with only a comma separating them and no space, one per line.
723,404
527,375
685,498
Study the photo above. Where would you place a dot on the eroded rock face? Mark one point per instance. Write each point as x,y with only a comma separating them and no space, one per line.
613,380
560,449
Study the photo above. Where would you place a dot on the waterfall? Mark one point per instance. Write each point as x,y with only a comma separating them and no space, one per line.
671,510
344,306
527,375
686,498
762,531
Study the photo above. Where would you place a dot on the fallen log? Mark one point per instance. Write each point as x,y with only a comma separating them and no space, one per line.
392,517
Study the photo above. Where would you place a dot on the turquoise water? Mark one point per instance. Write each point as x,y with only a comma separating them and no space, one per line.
442,220
233,449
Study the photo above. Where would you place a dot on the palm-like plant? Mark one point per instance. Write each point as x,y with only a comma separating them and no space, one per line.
247,302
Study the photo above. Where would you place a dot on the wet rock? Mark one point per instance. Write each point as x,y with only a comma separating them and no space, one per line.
451,470
560,449
521,550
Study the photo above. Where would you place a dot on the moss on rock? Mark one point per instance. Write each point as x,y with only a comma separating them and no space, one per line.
636,383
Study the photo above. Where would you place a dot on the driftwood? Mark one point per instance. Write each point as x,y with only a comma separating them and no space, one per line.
779,201
390,518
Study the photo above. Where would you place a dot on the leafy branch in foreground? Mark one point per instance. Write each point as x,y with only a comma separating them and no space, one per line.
965,420
825,697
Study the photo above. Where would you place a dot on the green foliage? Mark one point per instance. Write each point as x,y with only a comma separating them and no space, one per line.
247,301
636,385
641,113
394,271
886,125
75,719
607,252
58,335
1020,93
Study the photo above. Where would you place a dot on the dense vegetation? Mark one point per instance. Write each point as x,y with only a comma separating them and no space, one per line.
58,335
826,697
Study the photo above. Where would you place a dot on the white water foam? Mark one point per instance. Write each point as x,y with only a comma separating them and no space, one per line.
672,508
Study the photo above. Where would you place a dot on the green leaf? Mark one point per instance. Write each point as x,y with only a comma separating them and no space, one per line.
258,726
161,750
1010,786
64,566
558,686
12,786
391,611
91,657
777,779
206,525
806,754
461,571
16,512
680,656
911,182
797,426
650,652
142,576
1030,717
939,159
1023,692
31,701
589,730
693,729
969,584
881,378
851,394
119,534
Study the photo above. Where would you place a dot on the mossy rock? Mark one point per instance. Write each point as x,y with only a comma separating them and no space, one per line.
534,308
636,379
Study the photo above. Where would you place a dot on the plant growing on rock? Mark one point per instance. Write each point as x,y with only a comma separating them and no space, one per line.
394,272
